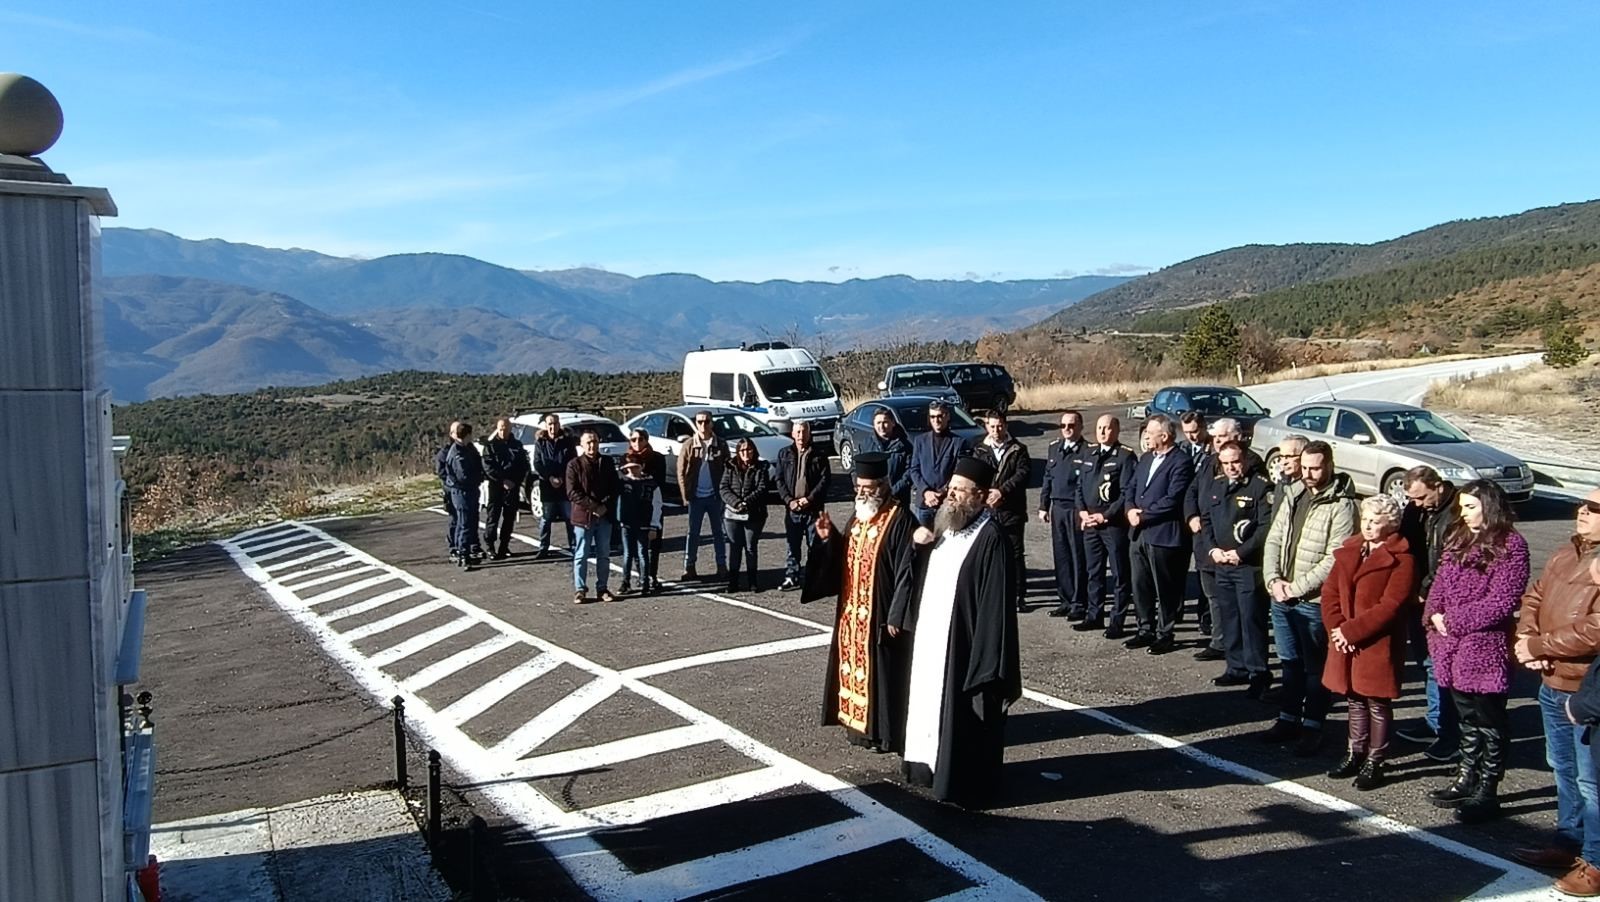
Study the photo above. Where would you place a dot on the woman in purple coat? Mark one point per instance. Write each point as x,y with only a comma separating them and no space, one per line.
1482,573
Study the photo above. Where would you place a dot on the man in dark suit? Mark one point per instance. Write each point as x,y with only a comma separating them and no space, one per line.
933,461
1064,461
1160,547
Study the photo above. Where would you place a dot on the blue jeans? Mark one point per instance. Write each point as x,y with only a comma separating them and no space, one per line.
797,536
1441,714
464,522
636,547
1577,802
699,509
549,513
1303,649
592,539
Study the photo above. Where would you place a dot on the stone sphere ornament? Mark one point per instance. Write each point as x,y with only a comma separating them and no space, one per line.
30,117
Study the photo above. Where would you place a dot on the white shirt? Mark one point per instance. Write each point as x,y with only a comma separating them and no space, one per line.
1158,458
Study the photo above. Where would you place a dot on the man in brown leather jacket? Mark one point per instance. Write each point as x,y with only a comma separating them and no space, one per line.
1558,634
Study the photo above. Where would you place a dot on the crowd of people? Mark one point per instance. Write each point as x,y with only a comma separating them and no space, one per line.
1288,560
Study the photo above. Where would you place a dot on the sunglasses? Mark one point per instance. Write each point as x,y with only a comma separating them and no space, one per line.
702,422
1592,507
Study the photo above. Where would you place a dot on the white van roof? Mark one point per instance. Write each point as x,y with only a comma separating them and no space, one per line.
743,360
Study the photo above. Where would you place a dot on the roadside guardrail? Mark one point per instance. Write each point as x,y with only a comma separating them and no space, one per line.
1578,479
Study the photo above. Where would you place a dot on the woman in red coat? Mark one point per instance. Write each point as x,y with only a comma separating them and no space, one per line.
1365,607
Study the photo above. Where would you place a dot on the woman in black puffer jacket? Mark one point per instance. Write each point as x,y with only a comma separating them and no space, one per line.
745,485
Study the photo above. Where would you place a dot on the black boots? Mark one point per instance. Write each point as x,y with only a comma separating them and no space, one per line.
1467,771
1371,775
1483,803
1352,764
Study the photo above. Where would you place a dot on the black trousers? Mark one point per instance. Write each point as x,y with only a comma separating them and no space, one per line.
1106,548
1014,533
1159,574
1071,560
500,518
1240,602
1484,739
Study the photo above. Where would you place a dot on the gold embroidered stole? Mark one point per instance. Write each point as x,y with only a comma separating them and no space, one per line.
853,632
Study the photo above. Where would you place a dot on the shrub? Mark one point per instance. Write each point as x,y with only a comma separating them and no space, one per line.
1563,347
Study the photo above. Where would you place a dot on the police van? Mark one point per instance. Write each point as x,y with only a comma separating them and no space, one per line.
771,381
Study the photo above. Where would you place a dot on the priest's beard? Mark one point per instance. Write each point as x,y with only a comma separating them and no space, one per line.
867,508
955,515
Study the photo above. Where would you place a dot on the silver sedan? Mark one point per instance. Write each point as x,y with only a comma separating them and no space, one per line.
1376,442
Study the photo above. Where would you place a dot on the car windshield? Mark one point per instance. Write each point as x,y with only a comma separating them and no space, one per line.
1224,403
926,377
1415,427
605,432
915,419
730,426
808,384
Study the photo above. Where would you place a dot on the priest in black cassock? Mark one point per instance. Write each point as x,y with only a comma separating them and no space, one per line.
964,664
868,568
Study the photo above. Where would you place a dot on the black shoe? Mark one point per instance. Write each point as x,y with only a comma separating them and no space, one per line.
1162,646
540,554
1483,804
625,589
1258,685
1280,731
1077,616
1310,742
1093,623
1231,679
1275,694
1210,654
1351,764
733,586
789,584
755,586
1441,750
1140,640
1371,775
1062,612
500,555
1115,631
688,574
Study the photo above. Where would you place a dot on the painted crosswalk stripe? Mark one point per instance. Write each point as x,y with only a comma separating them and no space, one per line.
457,662
392,621
421,641
493,692
684,799
277,541
313,556
371,604
556,718
728,654
325,578
360,585
286,550
608,753
251,535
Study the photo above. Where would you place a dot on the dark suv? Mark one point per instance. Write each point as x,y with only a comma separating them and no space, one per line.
982,386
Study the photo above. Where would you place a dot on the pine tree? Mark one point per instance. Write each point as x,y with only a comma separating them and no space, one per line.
1563,347
1212,344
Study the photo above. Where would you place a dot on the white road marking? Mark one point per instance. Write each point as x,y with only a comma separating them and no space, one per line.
326,577
360,585
457,662
683,800
316,555
260,532
728,654
276,541
371,604
555,718
606,753
392,621
286,550
594,869
496,690
421,641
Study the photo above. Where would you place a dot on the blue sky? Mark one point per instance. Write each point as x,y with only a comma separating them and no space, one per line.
816,140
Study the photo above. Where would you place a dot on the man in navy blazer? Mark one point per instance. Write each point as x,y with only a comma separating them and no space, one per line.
1160,551
933,460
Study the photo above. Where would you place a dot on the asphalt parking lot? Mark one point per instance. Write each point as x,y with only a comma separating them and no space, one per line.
269,656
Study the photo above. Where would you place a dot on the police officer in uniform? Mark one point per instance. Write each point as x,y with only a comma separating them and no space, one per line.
1235,512
1105,482
1058,507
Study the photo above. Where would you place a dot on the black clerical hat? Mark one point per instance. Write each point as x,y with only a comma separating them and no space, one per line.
872,465
976,470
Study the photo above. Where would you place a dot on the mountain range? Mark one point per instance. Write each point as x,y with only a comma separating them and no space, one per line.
211,316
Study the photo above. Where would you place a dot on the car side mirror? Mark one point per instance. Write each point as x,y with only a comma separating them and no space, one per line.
1266,411
883,386
1361,438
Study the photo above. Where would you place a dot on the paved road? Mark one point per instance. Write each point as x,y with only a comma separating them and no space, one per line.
1406,385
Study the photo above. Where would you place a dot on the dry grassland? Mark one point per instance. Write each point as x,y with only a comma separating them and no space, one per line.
1535,390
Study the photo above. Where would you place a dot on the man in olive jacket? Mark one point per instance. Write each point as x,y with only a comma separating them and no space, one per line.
1558,634
1313,519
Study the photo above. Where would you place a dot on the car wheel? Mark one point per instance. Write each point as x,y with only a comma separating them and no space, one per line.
847,455
1271,464
1394,484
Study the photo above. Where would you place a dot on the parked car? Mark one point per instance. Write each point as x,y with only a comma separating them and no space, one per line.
669,426
927,380
912,415
525,426
1214,401
982,386
1377,441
